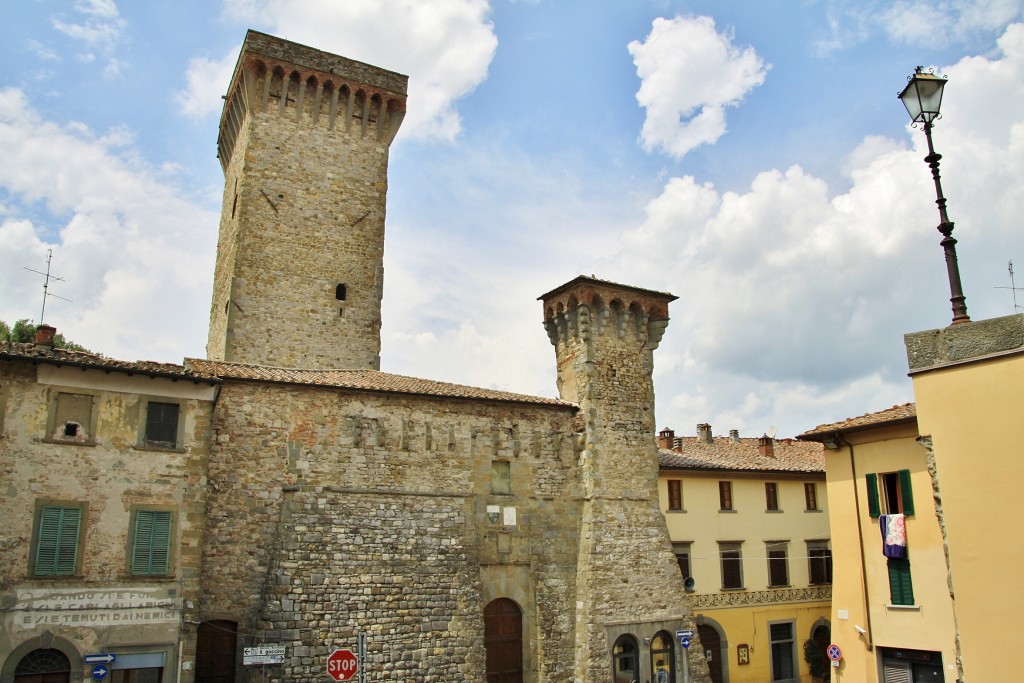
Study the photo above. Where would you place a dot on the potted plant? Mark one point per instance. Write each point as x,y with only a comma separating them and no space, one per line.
817,661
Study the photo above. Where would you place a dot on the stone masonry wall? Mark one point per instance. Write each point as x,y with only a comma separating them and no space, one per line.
332,512
305,189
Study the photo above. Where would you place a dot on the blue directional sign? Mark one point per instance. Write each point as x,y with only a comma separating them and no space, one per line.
100,671
685,642
105,658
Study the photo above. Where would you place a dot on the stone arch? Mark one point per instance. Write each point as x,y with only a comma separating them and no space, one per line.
44,641
722,652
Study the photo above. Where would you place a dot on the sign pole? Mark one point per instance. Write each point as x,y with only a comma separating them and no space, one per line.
362,657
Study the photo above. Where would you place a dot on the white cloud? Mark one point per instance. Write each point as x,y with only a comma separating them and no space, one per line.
206,80
690,73
444,46
122,238
100,30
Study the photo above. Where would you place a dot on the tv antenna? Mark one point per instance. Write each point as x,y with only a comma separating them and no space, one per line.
1013,289
46,284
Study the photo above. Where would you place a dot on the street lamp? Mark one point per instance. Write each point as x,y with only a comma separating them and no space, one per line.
922,98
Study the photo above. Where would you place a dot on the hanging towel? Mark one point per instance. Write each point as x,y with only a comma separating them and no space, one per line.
894,535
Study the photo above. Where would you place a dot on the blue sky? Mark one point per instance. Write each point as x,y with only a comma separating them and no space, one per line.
751,157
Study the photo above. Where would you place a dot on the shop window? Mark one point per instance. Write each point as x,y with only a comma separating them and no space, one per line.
625,660
784,668
56,539
663,663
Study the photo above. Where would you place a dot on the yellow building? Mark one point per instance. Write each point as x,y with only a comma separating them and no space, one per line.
892,616
967,382
749,525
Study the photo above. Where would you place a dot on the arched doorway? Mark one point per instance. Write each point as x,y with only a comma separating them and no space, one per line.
663,660
626,660
215,651
43,666
503,641
712,644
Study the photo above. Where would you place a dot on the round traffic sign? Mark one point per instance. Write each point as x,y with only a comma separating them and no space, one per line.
342,665
834,653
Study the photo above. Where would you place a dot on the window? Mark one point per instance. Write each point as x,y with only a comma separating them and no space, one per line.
56,539
151,543
72,418
625,662
682,551
778,564
811,495
675,494
725,495
784,668
771,495
896,496
901,590
663,658
161,425
732,565
819,559
501,477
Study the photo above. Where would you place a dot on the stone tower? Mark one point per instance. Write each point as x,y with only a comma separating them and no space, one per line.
304,139
628,581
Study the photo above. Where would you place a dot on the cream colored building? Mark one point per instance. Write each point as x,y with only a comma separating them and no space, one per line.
749,525
892,617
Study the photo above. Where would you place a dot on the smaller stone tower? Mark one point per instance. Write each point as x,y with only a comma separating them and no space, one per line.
628,582
304,139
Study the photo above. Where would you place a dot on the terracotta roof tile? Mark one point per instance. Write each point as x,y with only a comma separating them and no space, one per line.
724,454
895,415
364,380
44,354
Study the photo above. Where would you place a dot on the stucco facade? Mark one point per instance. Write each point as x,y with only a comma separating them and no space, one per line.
762,505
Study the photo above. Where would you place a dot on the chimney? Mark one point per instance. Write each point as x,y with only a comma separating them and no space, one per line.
44,335
677,444
665,438
734,435
704,433
766,446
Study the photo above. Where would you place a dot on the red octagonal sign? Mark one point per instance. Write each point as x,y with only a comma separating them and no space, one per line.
342,665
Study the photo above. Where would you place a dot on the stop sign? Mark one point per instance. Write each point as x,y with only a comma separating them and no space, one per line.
342,665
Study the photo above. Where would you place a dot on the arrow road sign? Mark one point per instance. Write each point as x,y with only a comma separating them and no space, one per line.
685,642
105,658
100,671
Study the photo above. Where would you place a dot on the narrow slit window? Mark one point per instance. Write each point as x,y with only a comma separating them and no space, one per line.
339,292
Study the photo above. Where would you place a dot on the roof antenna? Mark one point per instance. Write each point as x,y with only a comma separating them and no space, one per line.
1013,289
46,284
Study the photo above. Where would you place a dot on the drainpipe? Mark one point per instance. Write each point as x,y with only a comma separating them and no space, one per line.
860,537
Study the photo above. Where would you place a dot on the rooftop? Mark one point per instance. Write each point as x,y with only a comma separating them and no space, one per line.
723,453
900,414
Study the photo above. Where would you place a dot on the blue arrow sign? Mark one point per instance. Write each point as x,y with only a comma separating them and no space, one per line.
685,642
99,672
684,634
105,658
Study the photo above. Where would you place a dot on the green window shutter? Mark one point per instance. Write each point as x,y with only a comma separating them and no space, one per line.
57,543
152,543
901,590
872,481
906,495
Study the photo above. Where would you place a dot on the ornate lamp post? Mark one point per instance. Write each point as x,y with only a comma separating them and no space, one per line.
922,98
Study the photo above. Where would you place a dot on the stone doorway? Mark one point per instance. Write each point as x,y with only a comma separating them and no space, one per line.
215,651
503,640
43,666
712,644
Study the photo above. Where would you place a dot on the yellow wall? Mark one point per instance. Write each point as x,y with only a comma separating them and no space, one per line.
928,624
703,525
972,412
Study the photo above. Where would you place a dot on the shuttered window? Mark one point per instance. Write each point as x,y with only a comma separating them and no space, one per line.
820,563
873,508
162,424
675,494
901,590
725,495
57,541
771,495
778,564
151,544
896,496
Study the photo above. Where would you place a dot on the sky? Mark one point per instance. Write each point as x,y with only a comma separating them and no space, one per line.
750,157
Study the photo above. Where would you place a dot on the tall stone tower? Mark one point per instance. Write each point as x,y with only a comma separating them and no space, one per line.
628,580
304,139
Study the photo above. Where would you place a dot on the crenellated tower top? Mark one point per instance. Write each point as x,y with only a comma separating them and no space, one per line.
311,86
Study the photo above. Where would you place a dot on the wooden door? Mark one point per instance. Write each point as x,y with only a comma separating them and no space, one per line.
215,652
712,645
503,640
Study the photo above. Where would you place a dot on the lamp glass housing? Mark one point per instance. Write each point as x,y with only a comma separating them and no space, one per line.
923,96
